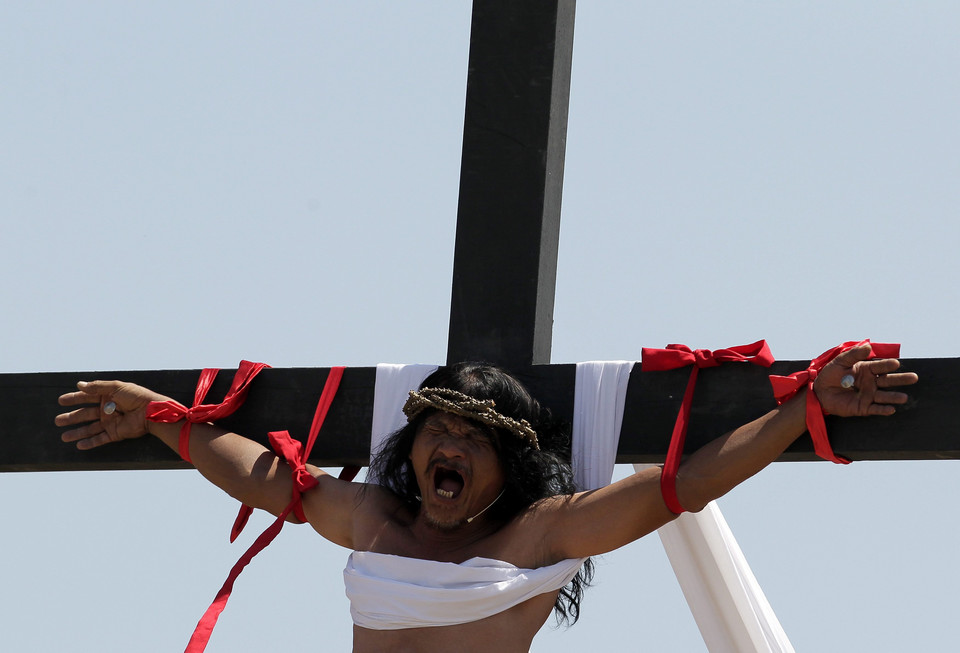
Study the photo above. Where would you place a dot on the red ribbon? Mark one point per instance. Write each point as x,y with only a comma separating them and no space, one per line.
289,449
786,387
171,411
295,456
673,357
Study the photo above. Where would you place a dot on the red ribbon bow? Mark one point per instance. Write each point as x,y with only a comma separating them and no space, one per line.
171,411
673,357
290,450
786,387
296,456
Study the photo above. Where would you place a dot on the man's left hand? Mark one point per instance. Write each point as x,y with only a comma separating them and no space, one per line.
869,394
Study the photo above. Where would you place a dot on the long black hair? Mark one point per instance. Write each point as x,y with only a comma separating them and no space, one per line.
530,474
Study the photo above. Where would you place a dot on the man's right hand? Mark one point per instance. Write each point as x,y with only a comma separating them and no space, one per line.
99,427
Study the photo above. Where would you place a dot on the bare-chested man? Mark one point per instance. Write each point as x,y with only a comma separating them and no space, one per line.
479,486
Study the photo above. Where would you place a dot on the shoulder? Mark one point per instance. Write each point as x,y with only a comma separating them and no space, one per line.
365,500
379,500
346,512
598,521
528,537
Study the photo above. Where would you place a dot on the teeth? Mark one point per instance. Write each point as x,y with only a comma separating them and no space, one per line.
447,494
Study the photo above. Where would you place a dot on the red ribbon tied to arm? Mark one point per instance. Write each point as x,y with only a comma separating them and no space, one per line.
172,411
296,457
289,449
786,387
676,356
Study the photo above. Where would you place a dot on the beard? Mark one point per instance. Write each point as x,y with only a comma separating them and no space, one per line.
440,523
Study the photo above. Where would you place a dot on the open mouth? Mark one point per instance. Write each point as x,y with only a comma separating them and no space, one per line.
447,482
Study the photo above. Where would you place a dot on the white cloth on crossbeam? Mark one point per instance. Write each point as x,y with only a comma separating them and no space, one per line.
599,397
730,609
726,600
393,385
389,592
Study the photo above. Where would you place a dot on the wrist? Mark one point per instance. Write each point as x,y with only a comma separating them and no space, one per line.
152,426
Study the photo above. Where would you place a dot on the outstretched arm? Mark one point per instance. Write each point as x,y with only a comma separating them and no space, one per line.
244,469
719,466
591,523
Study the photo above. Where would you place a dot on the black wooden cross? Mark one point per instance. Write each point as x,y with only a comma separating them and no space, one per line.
502,301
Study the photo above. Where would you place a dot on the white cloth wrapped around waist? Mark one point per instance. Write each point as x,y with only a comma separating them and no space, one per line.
389,592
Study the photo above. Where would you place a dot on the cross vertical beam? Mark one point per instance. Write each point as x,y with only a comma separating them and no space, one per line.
511,180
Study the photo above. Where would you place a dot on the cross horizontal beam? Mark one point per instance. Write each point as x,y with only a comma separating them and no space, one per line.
727,396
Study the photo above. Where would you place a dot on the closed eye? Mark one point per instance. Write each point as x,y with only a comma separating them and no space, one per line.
474,434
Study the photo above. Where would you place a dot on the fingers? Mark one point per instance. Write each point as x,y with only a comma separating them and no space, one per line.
853,355
877,372
883,410
88,431
874,400
874,375
77,398
93,433
98,387
858,359
877,366
887,397
877,403
78,416
89,392
894,380
94,440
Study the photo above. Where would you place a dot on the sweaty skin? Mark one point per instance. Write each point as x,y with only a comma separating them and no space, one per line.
459,475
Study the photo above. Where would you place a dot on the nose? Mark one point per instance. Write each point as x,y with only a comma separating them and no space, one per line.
451,446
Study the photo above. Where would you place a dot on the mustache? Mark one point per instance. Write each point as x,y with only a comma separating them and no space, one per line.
448,464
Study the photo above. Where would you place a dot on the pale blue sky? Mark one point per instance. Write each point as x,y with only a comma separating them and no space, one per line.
184,185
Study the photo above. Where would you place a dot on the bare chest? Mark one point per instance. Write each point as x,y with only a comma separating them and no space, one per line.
415,541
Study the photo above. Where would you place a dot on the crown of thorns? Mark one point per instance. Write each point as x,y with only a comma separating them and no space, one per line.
481,410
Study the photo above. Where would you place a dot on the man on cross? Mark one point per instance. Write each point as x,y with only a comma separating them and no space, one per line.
474,480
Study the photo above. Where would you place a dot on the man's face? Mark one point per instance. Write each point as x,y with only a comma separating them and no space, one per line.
456,467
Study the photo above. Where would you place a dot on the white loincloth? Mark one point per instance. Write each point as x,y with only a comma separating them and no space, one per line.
389,592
